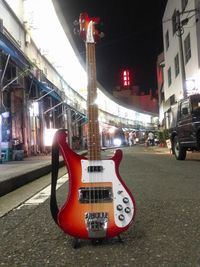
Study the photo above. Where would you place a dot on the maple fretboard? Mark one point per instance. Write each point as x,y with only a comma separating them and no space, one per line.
92,108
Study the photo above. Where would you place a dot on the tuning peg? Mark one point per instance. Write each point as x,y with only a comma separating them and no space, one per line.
76,23
99,26
76,27
76,31
101,35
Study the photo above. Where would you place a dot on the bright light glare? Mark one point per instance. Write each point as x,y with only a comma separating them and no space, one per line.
5,114
117,142
111,130
190,84
34,109
48,136
50,37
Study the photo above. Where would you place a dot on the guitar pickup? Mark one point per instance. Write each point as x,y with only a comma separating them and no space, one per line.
95,168
95,195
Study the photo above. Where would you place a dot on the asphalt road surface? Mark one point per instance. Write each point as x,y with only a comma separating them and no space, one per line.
166,231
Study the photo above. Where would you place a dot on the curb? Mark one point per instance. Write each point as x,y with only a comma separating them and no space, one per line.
17,181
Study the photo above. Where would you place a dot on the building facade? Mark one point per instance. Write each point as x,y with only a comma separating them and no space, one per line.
181,60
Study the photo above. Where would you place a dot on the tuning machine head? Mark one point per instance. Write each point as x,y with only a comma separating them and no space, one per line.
94,27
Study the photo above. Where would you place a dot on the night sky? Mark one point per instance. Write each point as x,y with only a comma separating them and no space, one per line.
133,38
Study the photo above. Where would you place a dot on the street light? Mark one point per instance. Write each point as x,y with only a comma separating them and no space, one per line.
191,87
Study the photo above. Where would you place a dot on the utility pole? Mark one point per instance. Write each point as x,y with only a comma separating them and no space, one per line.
179,32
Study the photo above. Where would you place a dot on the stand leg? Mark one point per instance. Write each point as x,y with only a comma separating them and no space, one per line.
97,241
120,239
76,243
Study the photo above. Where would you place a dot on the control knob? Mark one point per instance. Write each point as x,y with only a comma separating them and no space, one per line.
125,200
127,210
121,217
119,207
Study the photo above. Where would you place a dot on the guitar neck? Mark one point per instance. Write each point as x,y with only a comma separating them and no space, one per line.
92,108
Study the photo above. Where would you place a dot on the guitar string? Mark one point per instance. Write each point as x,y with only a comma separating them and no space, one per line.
97,141
94,138
89,117
92,66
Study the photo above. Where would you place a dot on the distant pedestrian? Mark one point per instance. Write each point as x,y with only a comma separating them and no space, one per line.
134,138
151,138
127,138
130,139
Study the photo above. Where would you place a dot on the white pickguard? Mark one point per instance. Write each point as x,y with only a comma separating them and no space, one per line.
119,192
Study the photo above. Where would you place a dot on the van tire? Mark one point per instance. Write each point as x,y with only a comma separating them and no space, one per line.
179,152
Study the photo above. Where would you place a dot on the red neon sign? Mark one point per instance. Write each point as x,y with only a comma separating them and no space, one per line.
126,78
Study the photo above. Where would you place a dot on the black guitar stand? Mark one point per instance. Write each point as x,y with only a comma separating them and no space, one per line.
120,239
54,176
77,242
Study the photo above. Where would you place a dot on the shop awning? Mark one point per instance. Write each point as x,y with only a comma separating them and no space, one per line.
7,49
10,49
45,88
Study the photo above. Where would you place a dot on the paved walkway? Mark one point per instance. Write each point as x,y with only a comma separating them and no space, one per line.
14,174
9,169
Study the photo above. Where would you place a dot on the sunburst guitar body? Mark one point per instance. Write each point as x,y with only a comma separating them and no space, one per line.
99,205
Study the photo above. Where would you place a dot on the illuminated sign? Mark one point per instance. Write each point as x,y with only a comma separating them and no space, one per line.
126,77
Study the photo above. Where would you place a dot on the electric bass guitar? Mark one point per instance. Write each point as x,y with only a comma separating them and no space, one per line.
99,205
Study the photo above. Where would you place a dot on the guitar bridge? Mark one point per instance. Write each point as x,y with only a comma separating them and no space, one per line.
97,224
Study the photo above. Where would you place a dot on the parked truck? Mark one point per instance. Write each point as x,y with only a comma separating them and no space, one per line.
185,126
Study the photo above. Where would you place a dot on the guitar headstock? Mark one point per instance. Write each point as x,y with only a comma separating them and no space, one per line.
88,31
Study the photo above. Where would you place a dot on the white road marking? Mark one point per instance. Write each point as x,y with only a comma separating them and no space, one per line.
44,194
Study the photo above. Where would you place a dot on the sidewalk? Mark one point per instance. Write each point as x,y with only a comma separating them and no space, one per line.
14,174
